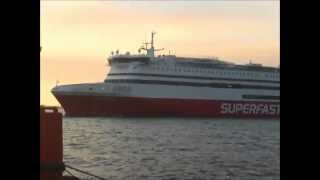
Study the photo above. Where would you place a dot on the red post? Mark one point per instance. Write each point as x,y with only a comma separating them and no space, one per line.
51,146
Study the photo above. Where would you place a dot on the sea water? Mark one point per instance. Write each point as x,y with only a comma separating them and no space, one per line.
173,148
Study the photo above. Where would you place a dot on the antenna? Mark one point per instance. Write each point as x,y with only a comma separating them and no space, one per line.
151,50
146,44
152,35
159,49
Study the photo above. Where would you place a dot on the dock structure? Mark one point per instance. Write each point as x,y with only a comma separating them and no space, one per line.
51,145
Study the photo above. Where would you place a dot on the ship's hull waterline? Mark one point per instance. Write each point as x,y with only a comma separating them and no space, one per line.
95,106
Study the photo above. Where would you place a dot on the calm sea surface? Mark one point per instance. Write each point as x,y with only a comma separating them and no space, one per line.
173,148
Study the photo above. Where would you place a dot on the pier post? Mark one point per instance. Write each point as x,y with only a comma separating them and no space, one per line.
51,145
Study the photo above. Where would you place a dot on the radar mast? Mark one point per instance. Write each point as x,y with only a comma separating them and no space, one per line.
151,50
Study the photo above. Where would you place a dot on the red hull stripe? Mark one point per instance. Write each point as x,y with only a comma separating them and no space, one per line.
133,106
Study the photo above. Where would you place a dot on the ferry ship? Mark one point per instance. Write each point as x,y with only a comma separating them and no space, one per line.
147,85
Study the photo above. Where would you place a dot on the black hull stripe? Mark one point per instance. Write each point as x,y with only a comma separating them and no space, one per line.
181,83
191,77
263,97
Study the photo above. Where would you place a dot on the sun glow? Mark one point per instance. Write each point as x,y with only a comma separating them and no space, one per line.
77,37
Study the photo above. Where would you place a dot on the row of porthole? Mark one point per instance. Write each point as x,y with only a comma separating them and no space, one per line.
215,72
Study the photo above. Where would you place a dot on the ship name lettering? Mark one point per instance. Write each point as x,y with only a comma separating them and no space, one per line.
248,108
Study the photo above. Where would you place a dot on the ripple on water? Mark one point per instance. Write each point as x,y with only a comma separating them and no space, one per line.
159,149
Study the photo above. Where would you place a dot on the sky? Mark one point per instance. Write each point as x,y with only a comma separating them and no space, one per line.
78,36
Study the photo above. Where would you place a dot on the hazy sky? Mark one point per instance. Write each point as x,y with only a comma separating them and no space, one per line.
78,36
